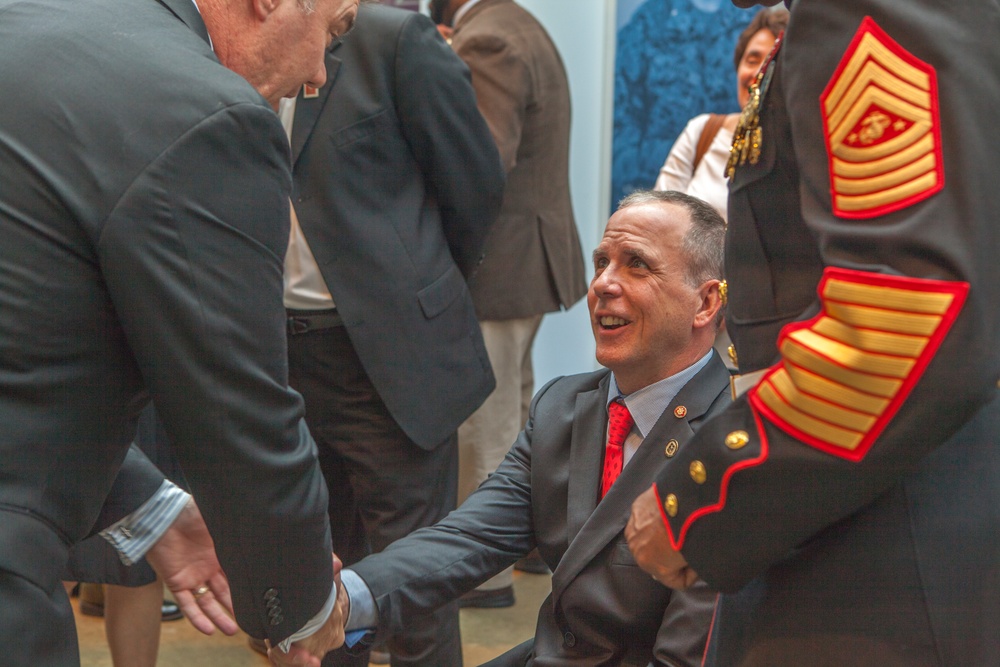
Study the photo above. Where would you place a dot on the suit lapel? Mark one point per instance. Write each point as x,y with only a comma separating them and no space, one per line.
590,421
186,11
608,519
307,110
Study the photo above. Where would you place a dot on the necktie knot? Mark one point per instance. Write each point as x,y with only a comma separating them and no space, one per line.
619,425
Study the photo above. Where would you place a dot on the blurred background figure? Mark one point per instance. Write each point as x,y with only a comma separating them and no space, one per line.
533,261
696,164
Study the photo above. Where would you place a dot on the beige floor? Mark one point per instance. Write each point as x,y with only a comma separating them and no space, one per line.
486,633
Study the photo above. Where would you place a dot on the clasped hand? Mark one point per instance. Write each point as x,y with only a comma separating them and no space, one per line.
650,545
310,651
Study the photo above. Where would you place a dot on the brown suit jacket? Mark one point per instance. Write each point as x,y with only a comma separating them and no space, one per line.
533,260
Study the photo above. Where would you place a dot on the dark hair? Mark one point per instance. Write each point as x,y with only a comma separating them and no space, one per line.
774,19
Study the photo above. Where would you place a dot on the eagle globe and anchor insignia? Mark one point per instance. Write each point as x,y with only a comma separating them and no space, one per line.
882,127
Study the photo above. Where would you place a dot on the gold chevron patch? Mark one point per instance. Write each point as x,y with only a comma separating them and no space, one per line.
845,373
882,124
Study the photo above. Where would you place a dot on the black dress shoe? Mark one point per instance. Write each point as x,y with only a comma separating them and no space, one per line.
492,599
169,611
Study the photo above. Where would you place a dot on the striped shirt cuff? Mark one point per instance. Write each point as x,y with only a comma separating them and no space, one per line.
134,535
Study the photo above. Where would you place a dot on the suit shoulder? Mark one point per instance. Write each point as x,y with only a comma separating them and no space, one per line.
570,385
388,21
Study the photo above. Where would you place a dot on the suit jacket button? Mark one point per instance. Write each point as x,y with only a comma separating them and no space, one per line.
277,619
569,639
270,594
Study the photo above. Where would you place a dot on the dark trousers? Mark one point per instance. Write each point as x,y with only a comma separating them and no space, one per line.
382,485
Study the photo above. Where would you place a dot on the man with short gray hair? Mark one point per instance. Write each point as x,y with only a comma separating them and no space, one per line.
144,222
591,443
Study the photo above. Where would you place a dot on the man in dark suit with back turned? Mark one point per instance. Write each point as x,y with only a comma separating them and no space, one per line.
655,307
522,91
396,183
143,220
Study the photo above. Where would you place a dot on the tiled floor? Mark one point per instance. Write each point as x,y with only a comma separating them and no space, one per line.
486,633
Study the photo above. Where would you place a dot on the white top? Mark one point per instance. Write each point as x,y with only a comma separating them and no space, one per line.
709,181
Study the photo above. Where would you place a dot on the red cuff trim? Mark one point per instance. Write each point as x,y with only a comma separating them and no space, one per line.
678,543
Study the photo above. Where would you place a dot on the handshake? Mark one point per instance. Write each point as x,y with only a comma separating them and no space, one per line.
310,650
184,557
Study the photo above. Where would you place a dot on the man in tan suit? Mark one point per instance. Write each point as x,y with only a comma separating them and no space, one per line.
533,262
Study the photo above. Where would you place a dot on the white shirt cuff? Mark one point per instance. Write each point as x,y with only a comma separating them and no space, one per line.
134,535
314,624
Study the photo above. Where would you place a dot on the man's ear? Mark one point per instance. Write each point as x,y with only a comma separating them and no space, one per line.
264,8
711,303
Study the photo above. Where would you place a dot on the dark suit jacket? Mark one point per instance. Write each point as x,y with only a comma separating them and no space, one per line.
533,261
397,182
603,609
144,224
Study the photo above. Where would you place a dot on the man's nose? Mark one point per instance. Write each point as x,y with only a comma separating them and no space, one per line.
607,282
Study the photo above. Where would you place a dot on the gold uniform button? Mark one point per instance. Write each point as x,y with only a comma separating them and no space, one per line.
680,412
732,356
671,448
670,505
698,472
737,440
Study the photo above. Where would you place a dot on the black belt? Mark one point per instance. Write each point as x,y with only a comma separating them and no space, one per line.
303,321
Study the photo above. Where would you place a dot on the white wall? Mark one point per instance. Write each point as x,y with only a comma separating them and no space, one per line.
583,30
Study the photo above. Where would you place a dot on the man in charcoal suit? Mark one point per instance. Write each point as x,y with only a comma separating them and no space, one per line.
144,223
655,306
396,184
522,91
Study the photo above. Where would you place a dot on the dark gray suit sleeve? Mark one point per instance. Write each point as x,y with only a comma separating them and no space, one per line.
192,256
450,140
490,531
138,479
682,636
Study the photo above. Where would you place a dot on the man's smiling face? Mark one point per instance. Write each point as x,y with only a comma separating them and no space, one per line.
642,304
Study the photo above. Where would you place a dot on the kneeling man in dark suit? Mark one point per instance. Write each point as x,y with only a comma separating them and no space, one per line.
655,305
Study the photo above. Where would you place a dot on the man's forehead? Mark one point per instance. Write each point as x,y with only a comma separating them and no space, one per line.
649,221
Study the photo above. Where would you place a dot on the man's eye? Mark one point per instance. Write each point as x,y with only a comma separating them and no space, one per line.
601,263
638,263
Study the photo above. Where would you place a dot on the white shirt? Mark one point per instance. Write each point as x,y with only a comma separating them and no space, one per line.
305,288
708,182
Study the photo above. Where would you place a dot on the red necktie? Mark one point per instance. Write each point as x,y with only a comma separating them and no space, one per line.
619,424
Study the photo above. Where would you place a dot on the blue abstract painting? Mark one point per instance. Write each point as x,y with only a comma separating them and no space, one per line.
674,61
